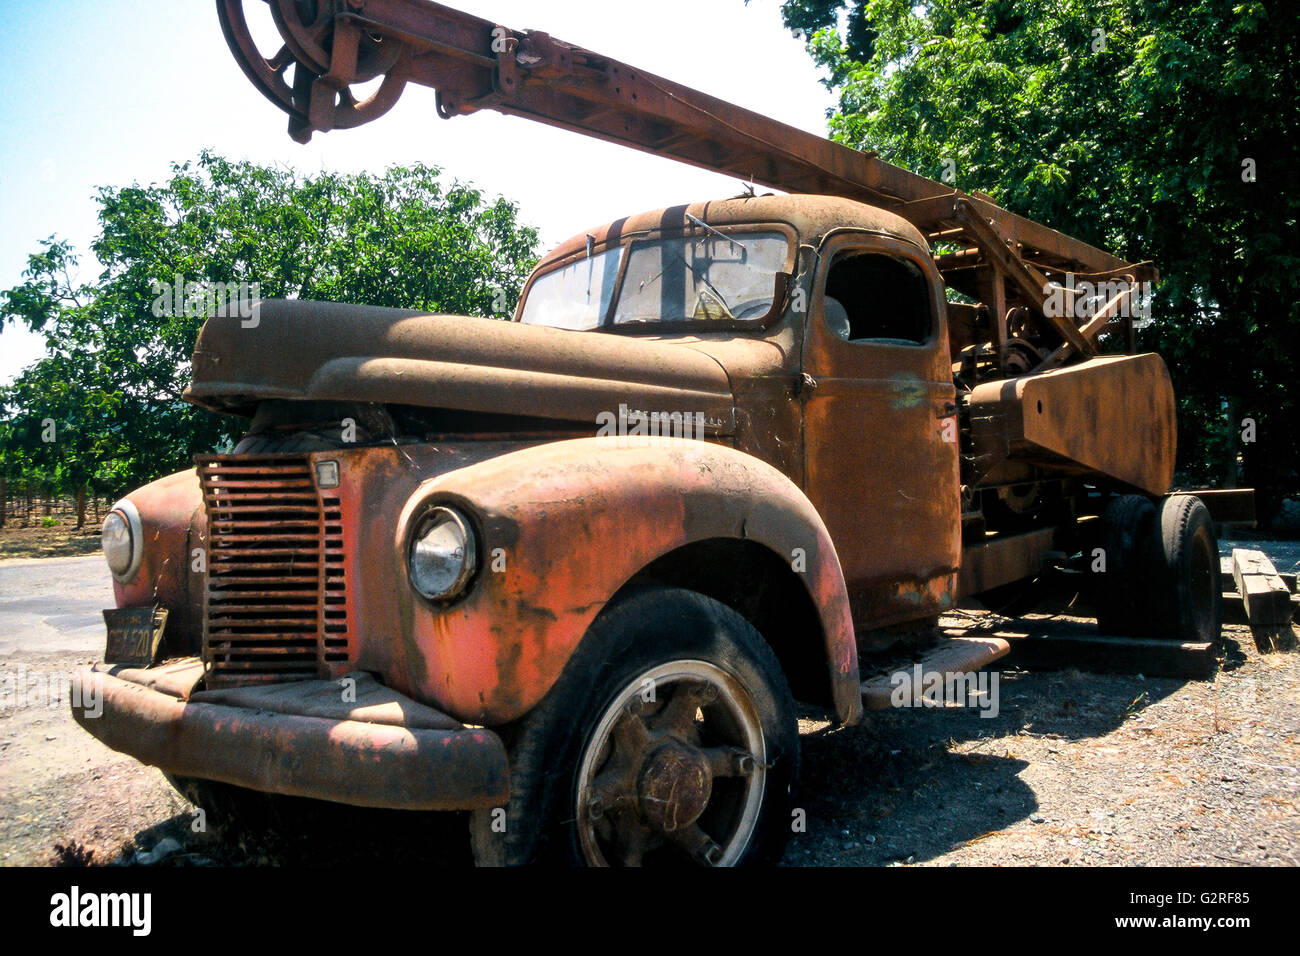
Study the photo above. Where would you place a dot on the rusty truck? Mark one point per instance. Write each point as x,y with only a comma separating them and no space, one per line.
572,571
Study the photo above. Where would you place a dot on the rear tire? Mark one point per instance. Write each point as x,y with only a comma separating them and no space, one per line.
1190,593
1131,544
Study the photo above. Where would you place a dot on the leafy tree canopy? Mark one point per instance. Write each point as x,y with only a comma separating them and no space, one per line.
115,371
1166,130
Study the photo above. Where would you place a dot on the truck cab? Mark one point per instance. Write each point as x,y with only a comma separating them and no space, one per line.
830,321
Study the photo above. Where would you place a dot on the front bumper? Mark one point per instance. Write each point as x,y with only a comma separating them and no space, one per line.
374,749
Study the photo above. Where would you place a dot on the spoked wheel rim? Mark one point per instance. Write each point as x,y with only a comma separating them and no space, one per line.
307,28
310,76
674,771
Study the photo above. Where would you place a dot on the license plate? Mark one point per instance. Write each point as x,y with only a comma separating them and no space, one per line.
134,635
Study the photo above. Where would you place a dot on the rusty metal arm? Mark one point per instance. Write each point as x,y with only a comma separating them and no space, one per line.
1031,284
475,64
1092,328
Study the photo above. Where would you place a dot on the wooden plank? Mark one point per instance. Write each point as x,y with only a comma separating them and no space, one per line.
1234,608
1250,561
1102,654
1268,600
954,657
1266,596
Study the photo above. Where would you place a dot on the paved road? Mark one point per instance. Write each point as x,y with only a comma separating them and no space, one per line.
52,605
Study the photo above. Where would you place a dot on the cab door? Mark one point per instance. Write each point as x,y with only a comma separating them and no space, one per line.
880,427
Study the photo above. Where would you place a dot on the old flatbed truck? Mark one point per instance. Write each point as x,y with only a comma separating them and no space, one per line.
457,564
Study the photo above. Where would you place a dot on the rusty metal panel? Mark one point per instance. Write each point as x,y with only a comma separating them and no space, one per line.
174,678
567,524
1003,560
1112,417
881,452
347,761
169,509
371,354
368,702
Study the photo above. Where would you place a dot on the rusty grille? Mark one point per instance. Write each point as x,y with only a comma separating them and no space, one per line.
277,601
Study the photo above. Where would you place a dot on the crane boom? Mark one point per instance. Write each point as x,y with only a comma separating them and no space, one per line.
474,64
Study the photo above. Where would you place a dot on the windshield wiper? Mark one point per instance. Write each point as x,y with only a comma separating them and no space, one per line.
717,232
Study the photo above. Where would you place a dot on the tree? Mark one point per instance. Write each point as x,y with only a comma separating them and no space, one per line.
68,428
1157,129
119,350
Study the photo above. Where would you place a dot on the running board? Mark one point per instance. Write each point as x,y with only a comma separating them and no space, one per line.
953,658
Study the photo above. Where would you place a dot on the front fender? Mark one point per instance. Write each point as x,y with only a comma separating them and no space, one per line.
171,516
564,526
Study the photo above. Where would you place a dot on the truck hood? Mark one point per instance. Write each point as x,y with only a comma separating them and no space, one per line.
325,351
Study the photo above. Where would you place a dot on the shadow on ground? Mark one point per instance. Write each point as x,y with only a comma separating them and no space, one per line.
898,789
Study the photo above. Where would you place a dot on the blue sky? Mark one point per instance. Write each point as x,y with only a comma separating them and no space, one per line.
110,92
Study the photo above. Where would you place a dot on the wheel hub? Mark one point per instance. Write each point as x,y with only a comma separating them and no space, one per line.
682,767
674,787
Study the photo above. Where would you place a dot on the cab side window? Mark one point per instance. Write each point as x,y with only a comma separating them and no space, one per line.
871,297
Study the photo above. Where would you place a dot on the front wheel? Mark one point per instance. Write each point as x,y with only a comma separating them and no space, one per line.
669,739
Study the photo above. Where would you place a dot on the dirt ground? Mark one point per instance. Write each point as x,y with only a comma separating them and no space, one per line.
1076,769
37,541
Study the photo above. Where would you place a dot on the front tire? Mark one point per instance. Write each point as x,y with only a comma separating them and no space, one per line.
234,813
670,738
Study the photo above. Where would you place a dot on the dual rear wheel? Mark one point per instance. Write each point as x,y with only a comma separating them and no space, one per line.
1160,575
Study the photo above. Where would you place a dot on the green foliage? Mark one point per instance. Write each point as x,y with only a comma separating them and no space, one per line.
1125,123
111,384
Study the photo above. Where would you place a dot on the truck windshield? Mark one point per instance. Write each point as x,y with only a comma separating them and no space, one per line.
575,296
688,279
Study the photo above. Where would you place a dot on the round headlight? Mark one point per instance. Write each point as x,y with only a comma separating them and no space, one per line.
121,540
442,558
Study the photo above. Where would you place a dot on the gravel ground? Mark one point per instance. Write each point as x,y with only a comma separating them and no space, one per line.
1076,769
